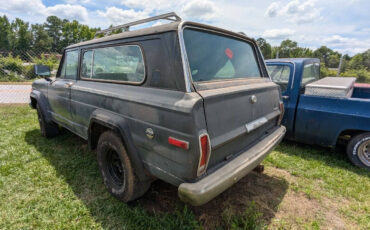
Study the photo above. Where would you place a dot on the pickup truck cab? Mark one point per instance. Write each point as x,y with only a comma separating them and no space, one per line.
316,114
183,102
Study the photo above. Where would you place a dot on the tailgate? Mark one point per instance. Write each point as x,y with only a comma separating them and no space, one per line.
238,116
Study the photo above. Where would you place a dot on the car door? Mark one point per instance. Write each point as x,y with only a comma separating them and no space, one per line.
59,91
283,75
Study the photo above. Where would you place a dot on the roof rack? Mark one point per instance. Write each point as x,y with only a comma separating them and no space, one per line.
169,16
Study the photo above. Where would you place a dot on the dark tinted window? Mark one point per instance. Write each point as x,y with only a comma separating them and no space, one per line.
119,63
216,57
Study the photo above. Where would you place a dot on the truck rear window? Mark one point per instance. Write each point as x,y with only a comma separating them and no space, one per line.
216,57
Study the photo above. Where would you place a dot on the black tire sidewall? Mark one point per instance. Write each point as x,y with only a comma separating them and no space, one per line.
108,141
41,120
352,149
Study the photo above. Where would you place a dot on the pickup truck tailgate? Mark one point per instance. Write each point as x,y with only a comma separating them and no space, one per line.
238,116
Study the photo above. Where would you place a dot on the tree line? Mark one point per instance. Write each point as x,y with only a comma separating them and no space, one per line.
51,36
328,57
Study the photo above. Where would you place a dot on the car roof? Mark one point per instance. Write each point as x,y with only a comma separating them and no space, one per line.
173,26
293,60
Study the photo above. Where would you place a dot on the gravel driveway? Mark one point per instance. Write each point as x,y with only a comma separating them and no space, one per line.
10,94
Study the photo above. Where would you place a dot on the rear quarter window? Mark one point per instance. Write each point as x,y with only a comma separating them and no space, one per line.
213,56
117,63
311,72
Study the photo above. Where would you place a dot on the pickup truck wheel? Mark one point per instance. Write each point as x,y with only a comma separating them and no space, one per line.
116,169
358,150
48,129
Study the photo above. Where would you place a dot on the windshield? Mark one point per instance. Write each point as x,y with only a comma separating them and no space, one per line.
216,57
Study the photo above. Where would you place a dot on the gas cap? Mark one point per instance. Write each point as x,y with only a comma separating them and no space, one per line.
253,99
149,133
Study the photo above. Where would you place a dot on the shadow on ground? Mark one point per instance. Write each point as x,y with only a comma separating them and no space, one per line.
77,165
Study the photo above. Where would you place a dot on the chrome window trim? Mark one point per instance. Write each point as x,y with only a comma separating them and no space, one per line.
114,81
185,62
184,58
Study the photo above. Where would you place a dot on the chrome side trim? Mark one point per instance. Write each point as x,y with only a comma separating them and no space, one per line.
255,124
184,58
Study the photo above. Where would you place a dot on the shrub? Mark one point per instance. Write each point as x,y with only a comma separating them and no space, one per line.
362,75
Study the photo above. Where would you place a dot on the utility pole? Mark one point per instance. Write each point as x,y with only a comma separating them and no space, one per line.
340,65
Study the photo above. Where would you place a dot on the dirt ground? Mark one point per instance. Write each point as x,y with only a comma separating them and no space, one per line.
281,207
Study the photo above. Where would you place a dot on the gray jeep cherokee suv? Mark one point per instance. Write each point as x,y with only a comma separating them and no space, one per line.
184,102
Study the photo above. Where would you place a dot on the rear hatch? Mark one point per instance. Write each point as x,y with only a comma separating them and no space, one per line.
240,102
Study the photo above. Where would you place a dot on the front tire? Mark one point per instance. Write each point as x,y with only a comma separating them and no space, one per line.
116,169
358,150
48,129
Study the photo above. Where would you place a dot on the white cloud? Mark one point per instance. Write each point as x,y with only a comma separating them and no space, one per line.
151,4
36,7
200,9
72,12
21,6
278,34
297,11
273,9
77,1
119,16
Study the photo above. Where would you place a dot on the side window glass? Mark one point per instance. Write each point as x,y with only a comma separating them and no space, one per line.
311,72
120,63
280,75
71,65
86,66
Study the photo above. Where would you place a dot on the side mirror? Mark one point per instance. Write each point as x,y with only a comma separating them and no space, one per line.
43,71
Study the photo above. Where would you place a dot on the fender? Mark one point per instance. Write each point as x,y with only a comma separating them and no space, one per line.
43,102
118,123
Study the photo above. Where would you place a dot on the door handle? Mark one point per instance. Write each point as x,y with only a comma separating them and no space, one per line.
68,84
285,97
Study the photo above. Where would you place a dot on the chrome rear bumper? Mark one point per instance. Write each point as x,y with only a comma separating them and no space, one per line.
207,188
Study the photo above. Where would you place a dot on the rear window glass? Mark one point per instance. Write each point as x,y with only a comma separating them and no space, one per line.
119,63
311,72
216,57
280,75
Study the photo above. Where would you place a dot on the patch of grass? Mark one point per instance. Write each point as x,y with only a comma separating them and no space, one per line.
55,183
326,174
251,218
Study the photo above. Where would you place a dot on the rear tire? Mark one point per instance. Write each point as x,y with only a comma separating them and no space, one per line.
48,129
358,150
116,169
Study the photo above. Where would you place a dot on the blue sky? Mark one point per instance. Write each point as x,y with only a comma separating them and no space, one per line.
343,25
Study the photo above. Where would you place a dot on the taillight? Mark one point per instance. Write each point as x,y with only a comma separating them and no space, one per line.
281,105
205,152
178,143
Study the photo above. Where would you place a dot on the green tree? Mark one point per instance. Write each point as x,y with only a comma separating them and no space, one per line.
54,26
328,56
356,62
4,33
265,48
21,37
287,48
41,40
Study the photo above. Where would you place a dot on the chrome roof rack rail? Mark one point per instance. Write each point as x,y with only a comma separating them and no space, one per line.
169,16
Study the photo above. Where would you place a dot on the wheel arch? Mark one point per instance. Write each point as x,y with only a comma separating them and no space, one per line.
102,121
38,98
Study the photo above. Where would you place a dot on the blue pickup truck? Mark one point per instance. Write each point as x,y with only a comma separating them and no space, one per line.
317,113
